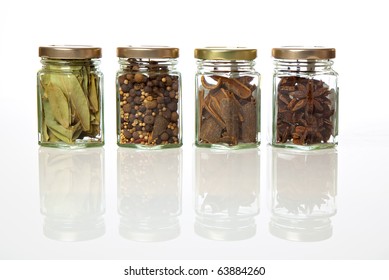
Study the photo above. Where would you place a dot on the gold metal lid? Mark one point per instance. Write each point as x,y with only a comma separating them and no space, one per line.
69,52
147,52
290,52
224,53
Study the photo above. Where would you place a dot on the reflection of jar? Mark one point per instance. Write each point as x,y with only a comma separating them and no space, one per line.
303,193
70,97
149,194
148,98
226,193
227,98
305,98
72,193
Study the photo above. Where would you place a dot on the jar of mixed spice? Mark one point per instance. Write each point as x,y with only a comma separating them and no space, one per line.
305,98
70,97
227,98
148,98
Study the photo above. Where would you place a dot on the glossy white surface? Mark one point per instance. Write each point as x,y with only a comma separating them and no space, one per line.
193,203
188,203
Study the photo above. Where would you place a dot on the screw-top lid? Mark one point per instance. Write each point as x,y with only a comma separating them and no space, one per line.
224,53
291,52
69,52
147,52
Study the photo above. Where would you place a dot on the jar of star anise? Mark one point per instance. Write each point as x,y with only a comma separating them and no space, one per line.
227,98
148,89
305,98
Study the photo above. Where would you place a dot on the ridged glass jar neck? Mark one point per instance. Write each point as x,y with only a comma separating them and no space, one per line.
148,64
225,66
305,66
63,64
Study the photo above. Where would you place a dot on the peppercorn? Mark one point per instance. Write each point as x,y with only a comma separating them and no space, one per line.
149,108
138,77
164,136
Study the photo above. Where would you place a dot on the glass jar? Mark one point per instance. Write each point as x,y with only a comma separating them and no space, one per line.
305,98
227,98
148,98
70,97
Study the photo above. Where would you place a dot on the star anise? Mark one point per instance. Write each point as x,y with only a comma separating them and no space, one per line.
304,111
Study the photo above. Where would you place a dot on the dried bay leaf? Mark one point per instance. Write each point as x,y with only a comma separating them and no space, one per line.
72,88
77,131
62,133
52,137
45,133
93,95
60,136
59,105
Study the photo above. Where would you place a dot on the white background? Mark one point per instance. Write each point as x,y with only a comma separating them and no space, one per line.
358,30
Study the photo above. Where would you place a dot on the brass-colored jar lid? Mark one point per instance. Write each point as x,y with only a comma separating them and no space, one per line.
224,53
303,53
147,52
69,52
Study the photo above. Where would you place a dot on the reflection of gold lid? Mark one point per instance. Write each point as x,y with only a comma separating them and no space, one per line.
224,53
69,52
147,52
303,53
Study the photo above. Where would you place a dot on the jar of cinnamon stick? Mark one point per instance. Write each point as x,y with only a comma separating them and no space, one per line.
227,98
305,98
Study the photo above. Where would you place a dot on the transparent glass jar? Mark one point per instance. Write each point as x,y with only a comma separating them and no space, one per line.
70,97
148,98
227,98
305,98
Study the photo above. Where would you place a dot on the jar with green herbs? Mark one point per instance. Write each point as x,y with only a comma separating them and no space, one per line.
70,97
148,88
305,98
227,98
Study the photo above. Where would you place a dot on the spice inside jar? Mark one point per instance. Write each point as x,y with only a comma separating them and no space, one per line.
305,98
70,100
149,90
227,98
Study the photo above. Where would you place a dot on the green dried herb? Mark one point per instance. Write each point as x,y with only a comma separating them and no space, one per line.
70,105
59,105
93,96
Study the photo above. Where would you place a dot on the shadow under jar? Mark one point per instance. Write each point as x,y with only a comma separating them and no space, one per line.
305,98
227,98
148,98
70,97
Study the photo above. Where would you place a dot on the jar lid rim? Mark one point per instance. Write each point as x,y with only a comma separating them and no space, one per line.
300,52
147,52
225,53
70,51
